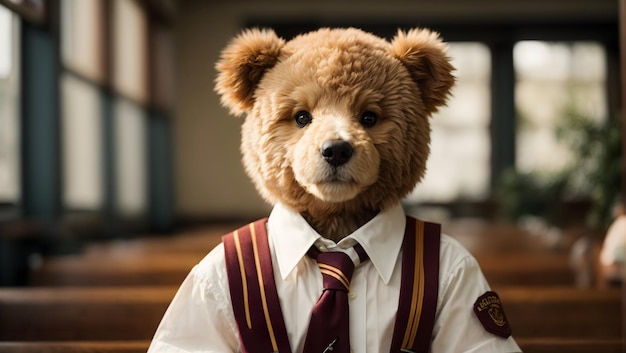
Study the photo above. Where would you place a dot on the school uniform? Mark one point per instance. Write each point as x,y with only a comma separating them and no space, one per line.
201,318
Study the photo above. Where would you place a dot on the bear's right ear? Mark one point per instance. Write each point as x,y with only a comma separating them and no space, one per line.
424,54
242,65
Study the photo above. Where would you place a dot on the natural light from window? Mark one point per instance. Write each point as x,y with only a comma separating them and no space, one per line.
9,124
555,81
458,166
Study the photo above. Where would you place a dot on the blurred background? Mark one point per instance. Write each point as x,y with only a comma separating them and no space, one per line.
119,169
109,126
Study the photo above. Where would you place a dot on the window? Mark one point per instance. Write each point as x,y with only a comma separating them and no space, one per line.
82,145
82,33
131,158
81,105
458,168
130,82
555,81
9,106
129,50
104,134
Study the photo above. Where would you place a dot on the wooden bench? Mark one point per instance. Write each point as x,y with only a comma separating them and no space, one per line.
565,312
145,261
131,313
161,269
555,345
68,314
538,269
75,347
571,345
153,270
481,236
199,240
134,267
507,254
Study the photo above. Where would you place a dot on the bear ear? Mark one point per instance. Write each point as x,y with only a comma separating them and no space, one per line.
424,54
242,65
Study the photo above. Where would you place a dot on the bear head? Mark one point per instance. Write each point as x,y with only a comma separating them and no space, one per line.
337,120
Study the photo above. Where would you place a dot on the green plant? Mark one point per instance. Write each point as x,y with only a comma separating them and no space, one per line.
596,170
594,175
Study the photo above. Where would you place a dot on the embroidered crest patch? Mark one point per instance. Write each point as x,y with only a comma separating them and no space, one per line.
488,309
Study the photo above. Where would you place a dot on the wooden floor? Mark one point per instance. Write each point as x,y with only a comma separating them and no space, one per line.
111,297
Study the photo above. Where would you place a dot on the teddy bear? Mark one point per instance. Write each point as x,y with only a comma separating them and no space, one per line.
336,133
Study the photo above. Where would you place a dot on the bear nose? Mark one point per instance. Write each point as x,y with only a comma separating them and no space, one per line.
336,152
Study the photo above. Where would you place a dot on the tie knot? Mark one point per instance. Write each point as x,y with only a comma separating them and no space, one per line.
337,269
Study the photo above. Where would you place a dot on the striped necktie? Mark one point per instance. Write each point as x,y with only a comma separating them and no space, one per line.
329,328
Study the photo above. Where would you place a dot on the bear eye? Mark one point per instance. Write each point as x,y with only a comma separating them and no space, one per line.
368,119
303,118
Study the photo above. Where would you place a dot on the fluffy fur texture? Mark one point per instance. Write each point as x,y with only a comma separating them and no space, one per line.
337,76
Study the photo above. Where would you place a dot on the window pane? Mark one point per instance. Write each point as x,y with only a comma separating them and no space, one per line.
82,145
554,81
130,156
81,33
458,166
129,38
9,103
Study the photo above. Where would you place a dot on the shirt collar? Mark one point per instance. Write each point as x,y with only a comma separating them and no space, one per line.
381,238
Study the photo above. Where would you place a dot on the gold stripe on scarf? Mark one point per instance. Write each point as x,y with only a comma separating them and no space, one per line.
262,287
242,270
418,289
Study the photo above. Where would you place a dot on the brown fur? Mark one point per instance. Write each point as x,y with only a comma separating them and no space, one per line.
336,75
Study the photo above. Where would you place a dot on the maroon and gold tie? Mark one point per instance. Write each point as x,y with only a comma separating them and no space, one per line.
329,328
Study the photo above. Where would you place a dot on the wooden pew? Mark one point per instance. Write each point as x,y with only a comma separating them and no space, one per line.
507,254
571,345
131,313
563,312
75,347
123,319
537,269
198,240
528,346
134,281
141,270
482,236
144,261
171,269
69,314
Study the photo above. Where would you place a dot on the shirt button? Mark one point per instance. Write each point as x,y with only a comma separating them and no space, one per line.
322,248
351,295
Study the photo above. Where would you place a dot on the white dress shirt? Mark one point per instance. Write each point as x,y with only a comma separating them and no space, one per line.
200,317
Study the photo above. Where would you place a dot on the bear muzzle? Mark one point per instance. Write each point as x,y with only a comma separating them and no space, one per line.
336,152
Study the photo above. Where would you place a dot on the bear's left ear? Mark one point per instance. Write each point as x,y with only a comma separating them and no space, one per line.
424,54
242,65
